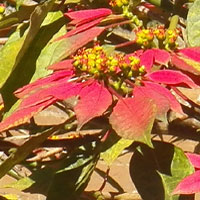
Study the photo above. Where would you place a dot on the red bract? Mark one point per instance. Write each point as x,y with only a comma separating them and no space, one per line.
174,104
84,16
188,59
162,103
133,118
149,57
190,184
171,77
94,101
85,19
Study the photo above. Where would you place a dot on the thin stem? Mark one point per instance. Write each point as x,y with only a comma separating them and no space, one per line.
112,91
117,24
124,44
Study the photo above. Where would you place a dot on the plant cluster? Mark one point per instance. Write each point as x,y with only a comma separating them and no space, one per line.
115,69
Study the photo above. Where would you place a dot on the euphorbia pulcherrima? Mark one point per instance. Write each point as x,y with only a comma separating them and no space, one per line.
142,93
99,79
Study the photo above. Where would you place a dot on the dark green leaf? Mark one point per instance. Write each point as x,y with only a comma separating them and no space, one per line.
156,172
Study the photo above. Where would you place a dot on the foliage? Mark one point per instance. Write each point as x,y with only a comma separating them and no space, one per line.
117,68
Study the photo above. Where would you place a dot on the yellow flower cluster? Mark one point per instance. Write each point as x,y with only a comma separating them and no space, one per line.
94,61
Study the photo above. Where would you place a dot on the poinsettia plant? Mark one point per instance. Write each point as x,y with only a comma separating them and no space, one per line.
123,86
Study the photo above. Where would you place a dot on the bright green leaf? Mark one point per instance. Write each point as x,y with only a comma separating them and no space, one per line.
193,24
114,147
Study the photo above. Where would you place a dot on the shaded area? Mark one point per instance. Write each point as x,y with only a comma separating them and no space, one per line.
151,169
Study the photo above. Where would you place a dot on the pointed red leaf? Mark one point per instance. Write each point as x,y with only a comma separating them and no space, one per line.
43,82
132,118
161,56
194,159
84,16
174,104
150,56
84,37
184,64
188,59
63,65
83,27
171,77
147,59
60,91
189,185
162,103
22,116
94,101
192,53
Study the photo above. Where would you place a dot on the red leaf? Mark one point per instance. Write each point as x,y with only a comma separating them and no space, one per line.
189,185
194,159
94,101
192,53
63,65
84,37
132,118
171,77
83,27
174,104
188,59
154,55
162,103
147,59
44,82
60,91
84,16
161,56
23,115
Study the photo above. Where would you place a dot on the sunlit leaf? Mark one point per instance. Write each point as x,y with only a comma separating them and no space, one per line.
63,65
132,118
171,77
194,159
114,147
21,116
193,24
187,59
161,56
84,16
189,185
17,66
43,83
174,104
147,59
94,101
162,103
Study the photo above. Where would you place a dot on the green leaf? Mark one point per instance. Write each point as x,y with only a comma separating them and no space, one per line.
18,65
156,172
132,118
21,184
17,17
114,145
193,24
